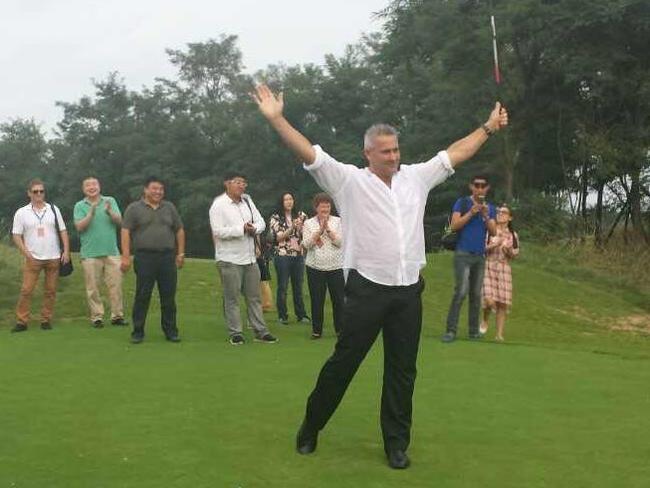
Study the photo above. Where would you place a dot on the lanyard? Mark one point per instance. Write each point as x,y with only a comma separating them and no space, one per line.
40,217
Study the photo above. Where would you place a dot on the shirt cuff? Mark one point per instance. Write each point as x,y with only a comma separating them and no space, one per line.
446,162
319,160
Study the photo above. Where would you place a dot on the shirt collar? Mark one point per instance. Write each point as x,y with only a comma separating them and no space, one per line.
101,197
144,202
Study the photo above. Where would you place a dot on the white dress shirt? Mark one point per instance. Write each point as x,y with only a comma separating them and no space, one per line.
383,227
227,219
39,230
329,255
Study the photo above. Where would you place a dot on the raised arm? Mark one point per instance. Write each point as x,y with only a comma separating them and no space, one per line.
271,106
466,147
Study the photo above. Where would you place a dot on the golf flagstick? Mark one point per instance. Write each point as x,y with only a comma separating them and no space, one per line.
505,138
497,72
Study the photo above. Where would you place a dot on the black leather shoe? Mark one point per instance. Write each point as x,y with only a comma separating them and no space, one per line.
306,440
173,339
397,459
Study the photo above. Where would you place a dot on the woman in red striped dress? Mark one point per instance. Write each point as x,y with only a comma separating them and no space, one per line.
497,285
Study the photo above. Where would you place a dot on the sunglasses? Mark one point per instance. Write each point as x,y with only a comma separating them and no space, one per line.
480,185
38,191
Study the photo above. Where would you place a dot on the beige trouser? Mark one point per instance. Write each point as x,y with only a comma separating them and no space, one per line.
109,267
31,269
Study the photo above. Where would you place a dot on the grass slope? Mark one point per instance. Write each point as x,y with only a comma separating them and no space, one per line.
562,404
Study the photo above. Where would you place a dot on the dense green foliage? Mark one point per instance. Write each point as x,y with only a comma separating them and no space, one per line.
576,82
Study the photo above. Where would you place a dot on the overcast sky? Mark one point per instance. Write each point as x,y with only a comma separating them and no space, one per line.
52,48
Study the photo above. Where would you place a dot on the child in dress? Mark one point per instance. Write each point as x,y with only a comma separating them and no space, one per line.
497,284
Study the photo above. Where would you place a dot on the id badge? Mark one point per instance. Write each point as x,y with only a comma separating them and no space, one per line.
40,232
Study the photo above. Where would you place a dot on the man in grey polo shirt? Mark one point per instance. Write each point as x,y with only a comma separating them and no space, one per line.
153,230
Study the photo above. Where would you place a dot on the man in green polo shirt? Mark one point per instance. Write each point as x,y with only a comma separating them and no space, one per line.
97,219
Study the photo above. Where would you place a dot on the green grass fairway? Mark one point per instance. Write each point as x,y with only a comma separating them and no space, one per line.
565,402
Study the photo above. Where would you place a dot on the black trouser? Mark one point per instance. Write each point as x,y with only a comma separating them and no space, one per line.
319,282
151,268
369,308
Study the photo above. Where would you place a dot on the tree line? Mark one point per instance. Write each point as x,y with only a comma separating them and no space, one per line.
576,81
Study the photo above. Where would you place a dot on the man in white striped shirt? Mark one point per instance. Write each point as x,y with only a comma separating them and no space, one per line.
383,203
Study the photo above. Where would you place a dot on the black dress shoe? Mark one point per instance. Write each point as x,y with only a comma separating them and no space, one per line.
306,439
173,339
19,328
397,459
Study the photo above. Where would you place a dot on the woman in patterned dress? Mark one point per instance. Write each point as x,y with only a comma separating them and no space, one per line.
497,284
286,229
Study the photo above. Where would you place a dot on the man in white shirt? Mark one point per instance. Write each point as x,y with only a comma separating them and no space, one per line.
381,203
35,235
235,223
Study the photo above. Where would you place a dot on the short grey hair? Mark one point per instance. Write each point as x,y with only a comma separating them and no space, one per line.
375,131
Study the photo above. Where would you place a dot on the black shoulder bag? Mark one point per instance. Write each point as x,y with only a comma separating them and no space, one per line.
449,236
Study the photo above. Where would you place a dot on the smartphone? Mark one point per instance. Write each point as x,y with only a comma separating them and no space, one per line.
481,199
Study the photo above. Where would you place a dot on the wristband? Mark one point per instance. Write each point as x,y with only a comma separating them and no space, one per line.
487,130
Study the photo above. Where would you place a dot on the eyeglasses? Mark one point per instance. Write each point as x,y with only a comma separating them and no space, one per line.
503,211
480,186
38,191
239,181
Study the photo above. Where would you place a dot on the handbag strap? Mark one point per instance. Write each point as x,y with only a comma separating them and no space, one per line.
56,225
463,209
258,246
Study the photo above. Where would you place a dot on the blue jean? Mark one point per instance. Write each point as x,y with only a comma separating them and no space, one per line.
468,270
290,268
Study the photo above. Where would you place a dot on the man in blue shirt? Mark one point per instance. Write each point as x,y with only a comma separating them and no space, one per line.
472,218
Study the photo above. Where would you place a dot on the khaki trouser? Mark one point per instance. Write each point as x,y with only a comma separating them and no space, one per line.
109,267
242,279
31,270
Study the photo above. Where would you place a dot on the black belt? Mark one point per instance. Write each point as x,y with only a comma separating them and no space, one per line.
154,251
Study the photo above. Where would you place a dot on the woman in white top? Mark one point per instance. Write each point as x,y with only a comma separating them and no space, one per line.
322,238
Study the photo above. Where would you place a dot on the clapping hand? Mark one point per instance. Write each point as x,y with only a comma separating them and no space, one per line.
323,225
